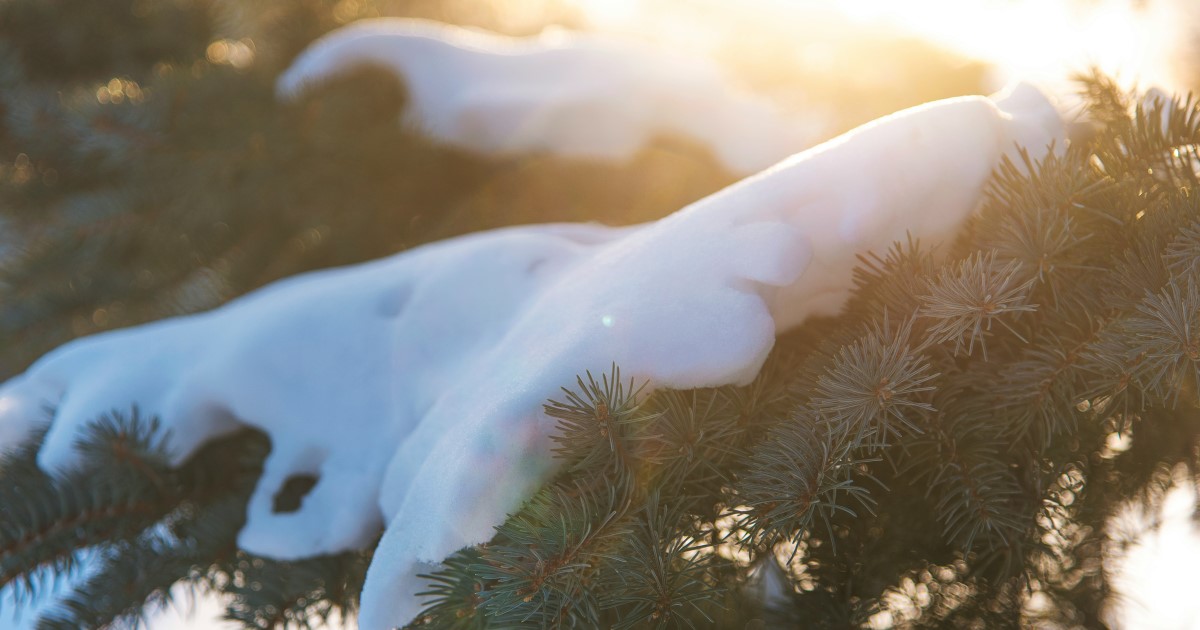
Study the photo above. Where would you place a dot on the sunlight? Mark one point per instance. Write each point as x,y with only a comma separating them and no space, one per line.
1041,40
613,11
1154,560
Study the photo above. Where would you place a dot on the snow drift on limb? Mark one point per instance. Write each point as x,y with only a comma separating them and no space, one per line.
569,94
781,246
412,386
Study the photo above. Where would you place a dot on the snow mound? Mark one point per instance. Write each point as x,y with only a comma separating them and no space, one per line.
568,94
412,387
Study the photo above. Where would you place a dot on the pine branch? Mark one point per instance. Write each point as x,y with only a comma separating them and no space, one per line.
892,283
876,387
116,497
1039,391
659,579
455,594
135,576
1183,253
1152,142
688,442
542,570
697,435
1166,332
965,302
602,427
981,504
800,477
132,508
270,594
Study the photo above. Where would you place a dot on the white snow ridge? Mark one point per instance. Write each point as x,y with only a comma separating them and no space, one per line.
413,386
573,95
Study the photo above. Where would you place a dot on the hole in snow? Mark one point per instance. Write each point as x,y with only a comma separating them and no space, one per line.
292,493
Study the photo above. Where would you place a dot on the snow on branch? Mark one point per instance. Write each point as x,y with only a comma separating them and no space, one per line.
568,94
412,387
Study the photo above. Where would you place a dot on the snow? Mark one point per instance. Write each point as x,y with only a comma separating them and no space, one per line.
568,94
413,386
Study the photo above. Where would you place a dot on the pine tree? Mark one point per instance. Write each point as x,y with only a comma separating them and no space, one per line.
937,455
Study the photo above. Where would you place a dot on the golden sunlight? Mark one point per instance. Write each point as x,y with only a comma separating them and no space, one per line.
1041,40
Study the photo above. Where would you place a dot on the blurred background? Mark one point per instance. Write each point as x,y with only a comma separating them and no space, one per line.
146,169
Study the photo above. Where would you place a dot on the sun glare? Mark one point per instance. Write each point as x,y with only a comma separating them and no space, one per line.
1040,40
1043,38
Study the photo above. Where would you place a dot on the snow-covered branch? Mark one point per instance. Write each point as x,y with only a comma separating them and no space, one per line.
412,386
573,95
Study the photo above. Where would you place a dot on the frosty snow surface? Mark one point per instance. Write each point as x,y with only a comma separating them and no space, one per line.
413,386
574,95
